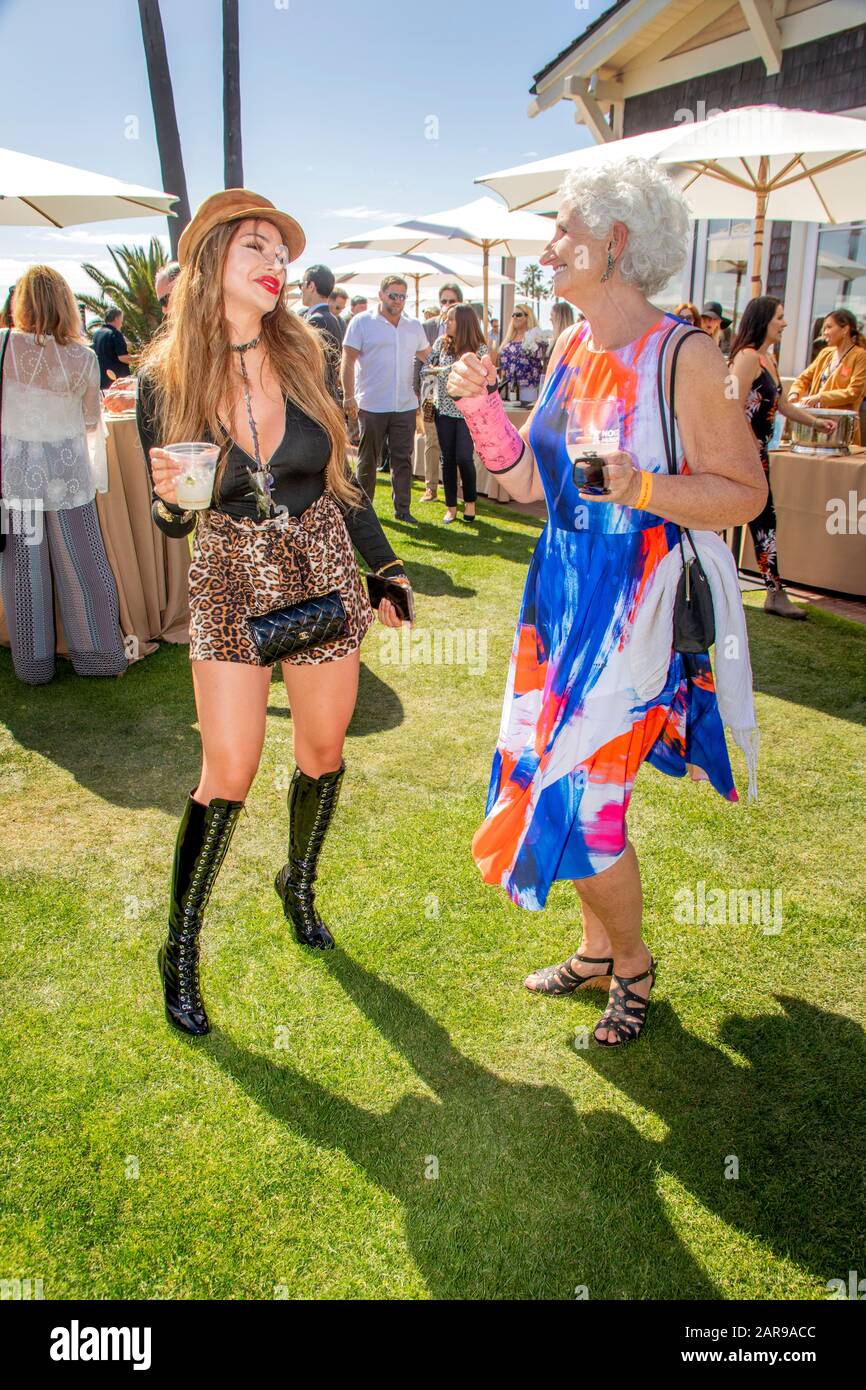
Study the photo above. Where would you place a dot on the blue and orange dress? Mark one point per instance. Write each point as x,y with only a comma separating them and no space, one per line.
574,731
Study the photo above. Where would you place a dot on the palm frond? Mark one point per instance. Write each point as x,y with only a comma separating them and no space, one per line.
132,290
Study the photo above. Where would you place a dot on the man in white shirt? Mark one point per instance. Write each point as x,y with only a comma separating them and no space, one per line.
385,344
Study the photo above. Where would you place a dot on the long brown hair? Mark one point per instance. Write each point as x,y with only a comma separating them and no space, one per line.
45,305
468,337
189,364
752,328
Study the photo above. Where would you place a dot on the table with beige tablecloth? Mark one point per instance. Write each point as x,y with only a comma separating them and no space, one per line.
820,531
150,569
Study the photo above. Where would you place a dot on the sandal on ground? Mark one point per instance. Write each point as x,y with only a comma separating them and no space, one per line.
563,979
625,1015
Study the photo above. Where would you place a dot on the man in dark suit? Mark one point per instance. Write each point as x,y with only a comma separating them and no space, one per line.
317,283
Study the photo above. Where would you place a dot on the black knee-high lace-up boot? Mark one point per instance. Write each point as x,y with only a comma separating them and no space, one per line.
203,837
312,802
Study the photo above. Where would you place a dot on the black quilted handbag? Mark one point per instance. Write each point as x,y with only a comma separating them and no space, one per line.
309,623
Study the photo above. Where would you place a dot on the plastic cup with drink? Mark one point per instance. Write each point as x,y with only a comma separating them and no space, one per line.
196,479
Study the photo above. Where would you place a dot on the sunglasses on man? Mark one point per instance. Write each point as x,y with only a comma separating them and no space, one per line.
395,296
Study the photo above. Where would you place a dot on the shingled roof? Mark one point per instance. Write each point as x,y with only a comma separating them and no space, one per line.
590,29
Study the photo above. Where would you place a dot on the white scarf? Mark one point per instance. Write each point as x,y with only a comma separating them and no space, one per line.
652,636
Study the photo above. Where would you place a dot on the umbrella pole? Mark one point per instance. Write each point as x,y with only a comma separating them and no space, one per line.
486,319
760,211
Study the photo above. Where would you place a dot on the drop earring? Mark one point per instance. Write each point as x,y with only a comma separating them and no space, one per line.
610,265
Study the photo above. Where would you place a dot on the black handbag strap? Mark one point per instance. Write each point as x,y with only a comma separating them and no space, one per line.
668,418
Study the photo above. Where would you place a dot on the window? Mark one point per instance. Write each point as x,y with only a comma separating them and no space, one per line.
840,277
729,266
671,296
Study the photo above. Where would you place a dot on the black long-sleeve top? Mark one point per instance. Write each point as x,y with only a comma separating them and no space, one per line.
298,467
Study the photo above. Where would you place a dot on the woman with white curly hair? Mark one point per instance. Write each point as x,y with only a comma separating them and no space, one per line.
574,730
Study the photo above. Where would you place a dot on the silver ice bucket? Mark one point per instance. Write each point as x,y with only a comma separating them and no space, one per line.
807,440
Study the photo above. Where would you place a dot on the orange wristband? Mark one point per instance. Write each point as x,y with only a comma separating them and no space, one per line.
646,488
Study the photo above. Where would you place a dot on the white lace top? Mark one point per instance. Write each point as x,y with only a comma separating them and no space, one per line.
53,433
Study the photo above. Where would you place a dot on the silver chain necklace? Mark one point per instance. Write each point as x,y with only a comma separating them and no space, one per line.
261,478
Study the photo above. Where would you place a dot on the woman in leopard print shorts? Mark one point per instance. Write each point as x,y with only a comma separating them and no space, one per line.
233,366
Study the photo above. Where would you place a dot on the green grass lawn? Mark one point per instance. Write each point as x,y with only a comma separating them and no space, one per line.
400,1118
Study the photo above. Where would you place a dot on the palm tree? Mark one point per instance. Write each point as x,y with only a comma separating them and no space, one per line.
232,149
534,287
132,291
164,116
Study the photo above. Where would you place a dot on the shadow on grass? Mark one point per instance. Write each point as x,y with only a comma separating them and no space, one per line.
132,740
793,1118
532,1199
436,582
492,535
818,663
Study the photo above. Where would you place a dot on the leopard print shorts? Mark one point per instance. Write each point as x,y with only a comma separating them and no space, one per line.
243,567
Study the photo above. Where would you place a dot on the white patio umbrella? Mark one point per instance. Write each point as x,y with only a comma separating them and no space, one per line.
39,193
482,225
755,162
841,266
424,272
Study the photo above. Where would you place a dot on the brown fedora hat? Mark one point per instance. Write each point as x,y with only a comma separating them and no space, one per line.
234,205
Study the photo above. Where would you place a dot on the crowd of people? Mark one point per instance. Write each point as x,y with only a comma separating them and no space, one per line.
282,394
388,372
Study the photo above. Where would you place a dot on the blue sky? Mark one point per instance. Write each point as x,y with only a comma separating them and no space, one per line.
335,99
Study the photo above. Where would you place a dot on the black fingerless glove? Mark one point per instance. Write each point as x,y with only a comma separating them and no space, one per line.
173,521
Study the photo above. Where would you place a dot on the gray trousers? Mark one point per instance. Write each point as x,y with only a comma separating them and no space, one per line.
68,557
398,427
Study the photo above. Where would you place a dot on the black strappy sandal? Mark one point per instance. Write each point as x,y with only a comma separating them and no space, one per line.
561,979
626,1013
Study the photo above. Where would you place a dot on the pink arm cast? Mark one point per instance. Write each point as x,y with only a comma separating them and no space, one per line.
493,434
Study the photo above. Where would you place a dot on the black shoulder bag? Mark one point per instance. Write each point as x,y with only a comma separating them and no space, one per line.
2,507
694,621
